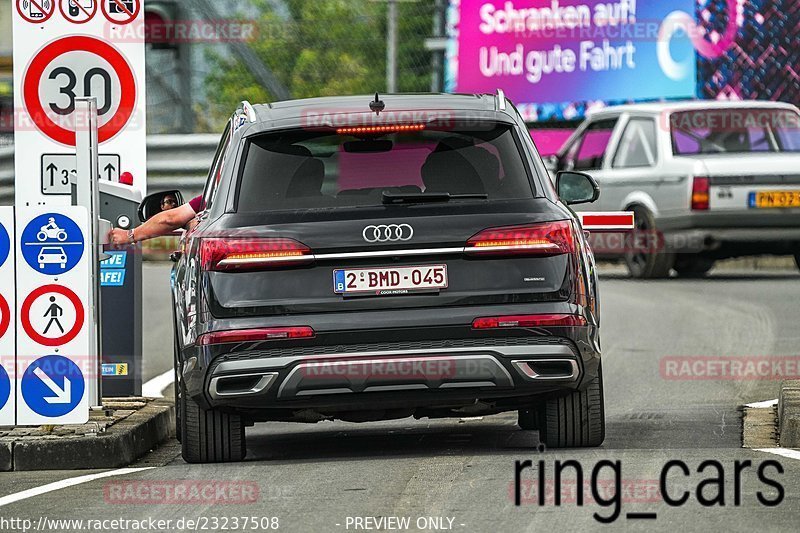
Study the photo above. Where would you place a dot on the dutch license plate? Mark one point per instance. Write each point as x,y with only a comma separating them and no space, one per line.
766,199
390,280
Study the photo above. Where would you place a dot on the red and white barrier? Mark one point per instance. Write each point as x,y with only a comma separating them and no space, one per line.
607,221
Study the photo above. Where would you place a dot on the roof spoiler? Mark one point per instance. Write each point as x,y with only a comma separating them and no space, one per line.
247,108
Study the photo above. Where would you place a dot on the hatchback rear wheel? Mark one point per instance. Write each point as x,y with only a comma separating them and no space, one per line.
573,421
210,436
645,257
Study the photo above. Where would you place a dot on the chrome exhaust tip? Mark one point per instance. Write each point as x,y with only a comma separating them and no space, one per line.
548,369
237,385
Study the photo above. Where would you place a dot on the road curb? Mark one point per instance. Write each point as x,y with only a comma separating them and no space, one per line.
789,414
126,441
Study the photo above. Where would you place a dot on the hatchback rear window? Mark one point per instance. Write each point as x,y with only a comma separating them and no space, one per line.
304,169
726,131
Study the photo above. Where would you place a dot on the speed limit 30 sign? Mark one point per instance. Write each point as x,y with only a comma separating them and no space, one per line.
79,66
79,55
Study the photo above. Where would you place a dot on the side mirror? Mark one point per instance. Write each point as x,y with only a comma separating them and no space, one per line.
157,202
576,188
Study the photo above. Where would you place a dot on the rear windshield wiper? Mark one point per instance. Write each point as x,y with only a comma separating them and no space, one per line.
429,197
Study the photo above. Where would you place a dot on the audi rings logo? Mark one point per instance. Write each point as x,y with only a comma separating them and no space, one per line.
388,233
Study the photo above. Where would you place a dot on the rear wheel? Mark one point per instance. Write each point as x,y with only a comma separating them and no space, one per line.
573,421
210,436
693,266
645,257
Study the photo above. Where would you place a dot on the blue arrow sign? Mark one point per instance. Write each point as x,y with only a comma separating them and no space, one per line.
52,244
52,386
5,245
5,387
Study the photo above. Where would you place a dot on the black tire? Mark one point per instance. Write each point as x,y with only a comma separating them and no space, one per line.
797,259
574,421
652,262
210,436
692,266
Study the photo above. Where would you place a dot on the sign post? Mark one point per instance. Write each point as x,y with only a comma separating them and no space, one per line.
88,196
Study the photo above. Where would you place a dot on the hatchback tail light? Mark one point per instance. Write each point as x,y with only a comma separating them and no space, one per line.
244,254
700,194
255,335
550,238
528,321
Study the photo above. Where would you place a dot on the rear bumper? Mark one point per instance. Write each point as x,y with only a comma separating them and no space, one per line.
432,374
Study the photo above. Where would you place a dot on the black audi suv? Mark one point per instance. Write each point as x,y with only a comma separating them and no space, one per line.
378,257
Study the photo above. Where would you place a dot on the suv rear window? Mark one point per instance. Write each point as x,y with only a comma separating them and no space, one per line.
304,169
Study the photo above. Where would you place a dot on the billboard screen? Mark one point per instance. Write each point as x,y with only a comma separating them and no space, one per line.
558,58
576,50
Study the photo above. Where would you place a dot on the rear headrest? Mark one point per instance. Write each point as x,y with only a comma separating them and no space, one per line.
290,149
485,163
307,179
453,143
449,171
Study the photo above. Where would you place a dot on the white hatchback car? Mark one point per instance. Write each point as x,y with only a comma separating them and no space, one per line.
707,180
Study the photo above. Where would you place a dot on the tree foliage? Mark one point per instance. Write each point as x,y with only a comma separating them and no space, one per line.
325,47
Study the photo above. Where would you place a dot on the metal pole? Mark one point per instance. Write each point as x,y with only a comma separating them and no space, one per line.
88,195
391,47
185,109
437,56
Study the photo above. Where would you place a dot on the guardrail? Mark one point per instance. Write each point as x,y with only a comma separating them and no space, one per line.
173,162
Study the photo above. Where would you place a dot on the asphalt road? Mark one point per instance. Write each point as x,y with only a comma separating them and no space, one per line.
332,476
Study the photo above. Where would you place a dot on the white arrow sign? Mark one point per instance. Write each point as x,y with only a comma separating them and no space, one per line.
62,396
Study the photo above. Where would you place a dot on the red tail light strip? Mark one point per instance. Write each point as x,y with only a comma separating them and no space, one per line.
237,254
255,335
549,238
528,321
396,128
224,254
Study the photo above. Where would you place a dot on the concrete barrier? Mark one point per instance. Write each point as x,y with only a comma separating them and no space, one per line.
64,448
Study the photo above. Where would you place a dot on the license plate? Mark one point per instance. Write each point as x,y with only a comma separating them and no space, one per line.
767,199
390,280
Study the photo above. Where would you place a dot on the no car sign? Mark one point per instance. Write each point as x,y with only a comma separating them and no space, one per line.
77,66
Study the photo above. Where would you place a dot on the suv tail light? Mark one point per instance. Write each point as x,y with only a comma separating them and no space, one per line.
255,335
528,321
550,238
243,254
700,194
